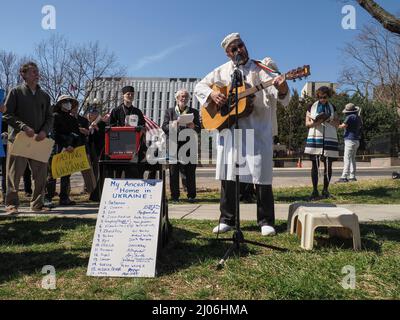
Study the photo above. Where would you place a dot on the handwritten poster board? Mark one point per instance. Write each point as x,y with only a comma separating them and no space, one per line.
127,229
27,147
66,163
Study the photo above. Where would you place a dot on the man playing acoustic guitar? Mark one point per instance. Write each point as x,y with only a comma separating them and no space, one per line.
258,129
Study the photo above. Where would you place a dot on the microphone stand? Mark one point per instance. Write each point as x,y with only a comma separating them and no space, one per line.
237,237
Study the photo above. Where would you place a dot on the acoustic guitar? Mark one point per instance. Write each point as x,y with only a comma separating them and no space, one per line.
215,117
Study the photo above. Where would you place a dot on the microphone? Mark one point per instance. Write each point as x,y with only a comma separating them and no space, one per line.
237,58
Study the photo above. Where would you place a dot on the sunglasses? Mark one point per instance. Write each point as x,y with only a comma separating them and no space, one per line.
236,48
323,98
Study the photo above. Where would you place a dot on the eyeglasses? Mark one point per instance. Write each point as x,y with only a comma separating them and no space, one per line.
236,48
323,98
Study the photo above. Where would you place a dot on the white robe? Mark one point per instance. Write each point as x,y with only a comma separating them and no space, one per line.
256,163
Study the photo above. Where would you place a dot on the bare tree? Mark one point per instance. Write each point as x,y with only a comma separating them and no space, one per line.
53,58
9,70
88,63
73,70
373,64
385,18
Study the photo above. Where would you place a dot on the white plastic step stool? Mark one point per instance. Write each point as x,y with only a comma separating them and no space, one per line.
310,218
293,212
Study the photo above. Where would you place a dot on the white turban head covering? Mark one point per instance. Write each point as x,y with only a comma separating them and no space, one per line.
229,39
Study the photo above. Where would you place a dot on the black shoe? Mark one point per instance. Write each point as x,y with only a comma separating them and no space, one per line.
174,200
326,194
94,199
314,196
342,180
48,204
67,202
352,179
192,200
396,175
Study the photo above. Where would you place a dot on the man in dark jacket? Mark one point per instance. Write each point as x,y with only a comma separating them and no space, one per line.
28,111
126,115
173,121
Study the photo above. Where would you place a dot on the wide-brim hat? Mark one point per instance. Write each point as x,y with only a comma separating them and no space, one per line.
65,97
350,108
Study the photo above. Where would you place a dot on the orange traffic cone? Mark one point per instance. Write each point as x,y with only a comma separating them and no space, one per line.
299,164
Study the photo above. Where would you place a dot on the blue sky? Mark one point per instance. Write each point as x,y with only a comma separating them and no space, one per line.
178,38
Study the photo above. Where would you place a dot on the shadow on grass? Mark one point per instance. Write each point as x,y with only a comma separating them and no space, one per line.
186,249
378,192
279,198
23,232
372,237
26,263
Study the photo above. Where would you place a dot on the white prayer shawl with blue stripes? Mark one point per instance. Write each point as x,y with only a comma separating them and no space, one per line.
322,139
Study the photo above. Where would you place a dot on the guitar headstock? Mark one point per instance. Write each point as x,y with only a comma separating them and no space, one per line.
299,73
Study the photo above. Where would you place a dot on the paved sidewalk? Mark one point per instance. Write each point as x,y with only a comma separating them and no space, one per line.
366,213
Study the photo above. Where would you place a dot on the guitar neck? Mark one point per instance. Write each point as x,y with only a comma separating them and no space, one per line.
255,89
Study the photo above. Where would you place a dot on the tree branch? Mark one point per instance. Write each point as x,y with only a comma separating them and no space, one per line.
386,19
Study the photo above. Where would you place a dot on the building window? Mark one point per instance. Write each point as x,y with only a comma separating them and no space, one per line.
145,100
153,106
168,97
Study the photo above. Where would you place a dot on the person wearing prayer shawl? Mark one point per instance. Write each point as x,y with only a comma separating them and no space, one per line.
322,141
257,132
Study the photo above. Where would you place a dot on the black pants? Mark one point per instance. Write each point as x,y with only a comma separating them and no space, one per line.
316,163
28,180
188,172
265,204
65,188
131,172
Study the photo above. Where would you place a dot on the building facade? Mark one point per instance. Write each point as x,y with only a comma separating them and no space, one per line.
153,96
310,88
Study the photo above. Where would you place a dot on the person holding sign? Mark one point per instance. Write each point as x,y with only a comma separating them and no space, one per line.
126,115
67,136
179,118
28,111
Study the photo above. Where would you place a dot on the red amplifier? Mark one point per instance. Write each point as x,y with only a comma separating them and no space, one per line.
123,143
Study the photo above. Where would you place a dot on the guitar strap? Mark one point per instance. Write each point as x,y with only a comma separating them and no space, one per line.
263,66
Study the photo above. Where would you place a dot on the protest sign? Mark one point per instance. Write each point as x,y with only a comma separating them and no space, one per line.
66,163
24,146
126,240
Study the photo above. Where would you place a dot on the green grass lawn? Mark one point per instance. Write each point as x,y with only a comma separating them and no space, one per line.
187,266
386,191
